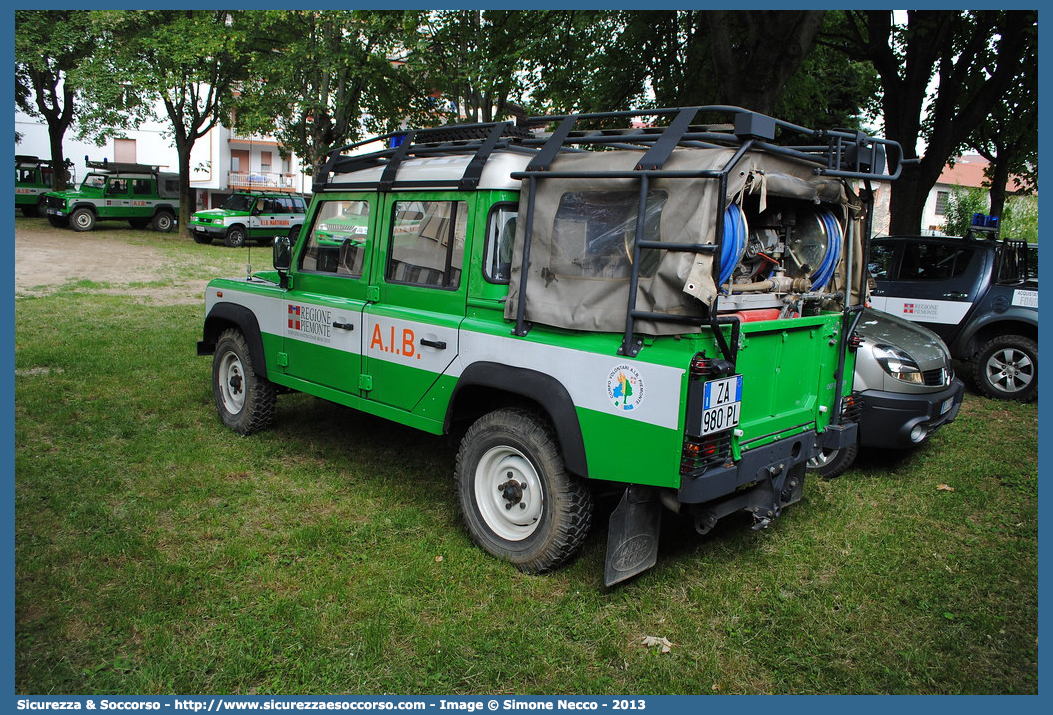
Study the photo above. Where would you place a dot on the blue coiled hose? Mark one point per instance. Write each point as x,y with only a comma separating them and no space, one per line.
734,243
834,237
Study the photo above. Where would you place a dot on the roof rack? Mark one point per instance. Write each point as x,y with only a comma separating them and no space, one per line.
834,152
107,165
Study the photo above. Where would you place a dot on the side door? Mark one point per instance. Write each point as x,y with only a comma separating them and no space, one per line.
144,198
322,343
116,200
268,219
935,283
419,291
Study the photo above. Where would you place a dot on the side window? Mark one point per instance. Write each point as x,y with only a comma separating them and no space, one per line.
336,242
500,238
117,186
881,261
298,206
427,243
933,262
141,187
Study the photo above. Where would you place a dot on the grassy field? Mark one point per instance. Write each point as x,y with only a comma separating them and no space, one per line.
159,553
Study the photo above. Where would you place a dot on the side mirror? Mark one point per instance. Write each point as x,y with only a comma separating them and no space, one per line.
282,253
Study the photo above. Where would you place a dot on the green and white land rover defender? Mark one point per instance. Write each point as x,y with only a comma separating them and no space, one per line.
250,216
140,194
32,181
662,312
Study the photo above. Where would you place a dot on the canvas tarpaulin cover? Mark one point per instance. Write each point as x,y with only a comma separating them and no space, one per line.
583,232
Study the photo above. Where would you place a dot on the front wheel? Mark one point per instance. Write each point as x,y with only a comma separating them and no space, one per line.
1006,368
82,220
163,221
830,463
235,237
244,400
517,500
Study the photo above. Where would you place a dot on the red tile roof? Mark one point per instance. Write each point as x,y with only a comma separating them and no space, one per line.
968,170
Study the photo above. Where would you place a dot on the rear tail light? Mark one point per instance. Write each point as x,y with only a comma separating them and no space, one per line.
700,453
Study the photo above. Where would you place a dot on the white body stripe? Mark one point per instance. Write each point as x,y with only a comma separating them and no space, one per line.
920,310
586,376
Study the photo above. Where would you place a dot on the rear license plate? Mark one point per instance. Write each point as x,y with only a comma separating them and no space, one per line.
721,403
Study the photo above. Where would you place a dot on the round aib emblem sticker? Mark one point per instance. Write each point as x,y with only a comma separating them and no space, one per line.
625,387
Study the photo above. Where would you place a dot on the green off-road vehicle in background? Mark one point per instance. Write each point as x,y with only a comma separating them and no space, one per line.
140,194
32,181
662,312
250,216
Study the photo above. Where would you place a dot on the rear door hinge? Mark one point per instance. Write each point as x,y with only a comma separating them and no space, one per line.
373,294
283,359
365,382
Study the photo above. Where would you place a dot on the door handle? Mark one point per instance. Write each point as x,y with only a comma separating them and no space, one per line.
437,344
955,294
344,326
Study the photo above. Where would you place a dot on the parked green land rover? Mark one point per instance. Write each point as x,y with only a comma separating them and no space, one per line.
661,312
140,194
250,216
32,181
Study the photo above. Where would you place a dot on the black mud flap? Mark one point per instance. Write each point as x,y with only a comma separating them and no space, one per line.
632,536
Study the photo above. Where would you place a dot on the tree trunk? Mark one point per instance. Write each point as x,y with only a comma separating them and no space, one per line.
907,202
58,158
999,178
183,147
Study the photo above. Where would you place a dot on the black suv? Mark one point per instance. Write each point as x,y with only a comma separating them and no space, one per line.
978,293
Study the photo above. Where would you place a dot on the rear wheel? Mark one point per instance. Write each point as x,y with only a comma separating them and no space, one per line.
830,463
235,237
163,221
1006,368
517,500
244,400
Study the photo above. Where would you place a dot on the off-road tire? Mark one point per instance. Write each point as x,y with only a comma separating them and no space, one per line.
235,237
58,221
163,221
82,220
516,445
831,463
1006,368
245,401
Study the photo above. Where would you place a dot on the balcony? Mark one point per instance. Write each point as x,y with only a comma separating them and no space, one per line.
239,137
261,181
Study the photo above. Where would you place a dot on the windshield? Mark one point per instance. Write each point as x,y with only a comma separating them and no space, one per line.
94,181
238,202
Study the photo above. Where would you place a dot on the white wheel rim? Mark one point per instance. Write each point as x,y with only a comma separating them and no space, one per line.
1010,370
83,220
508,493
823,458
232,383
